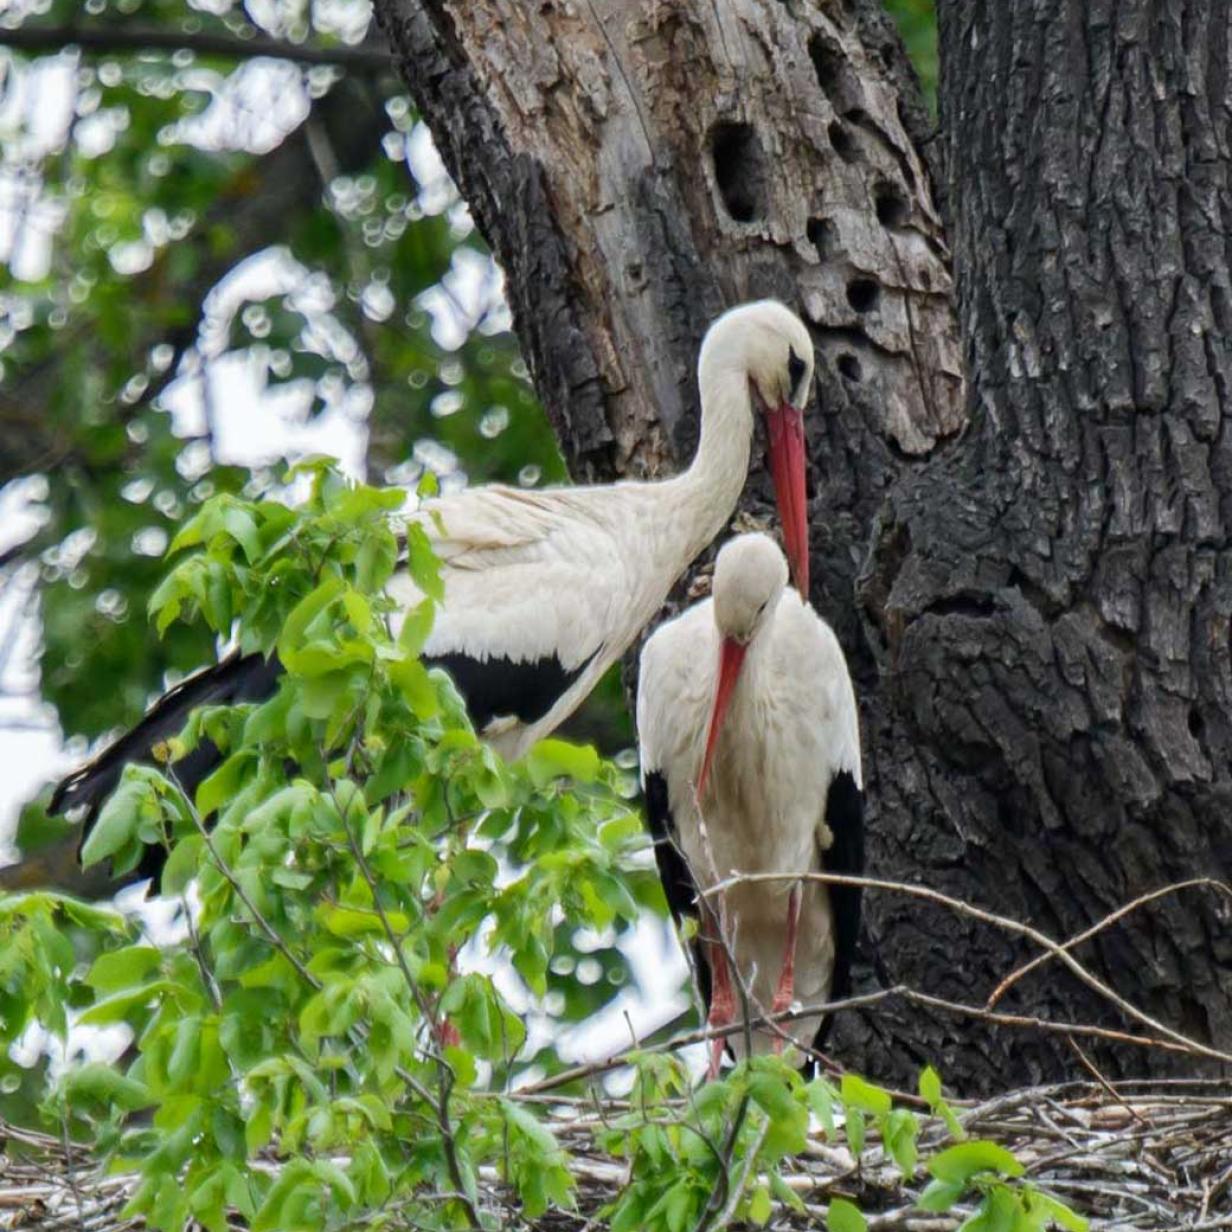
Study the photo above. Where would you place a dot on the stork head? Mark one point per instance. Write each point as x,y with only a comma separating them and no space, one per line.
769,347
749,578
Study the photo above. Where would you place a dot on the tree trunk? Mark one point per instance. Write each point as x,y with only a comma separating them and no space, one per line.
1036,615
1050,602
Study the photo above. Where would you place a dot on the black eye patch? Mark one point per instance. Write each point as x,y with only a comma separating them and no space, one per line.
795,368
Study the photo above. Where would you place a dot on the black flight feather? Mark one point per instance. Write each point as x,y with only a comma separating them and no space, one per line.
678,886
845,819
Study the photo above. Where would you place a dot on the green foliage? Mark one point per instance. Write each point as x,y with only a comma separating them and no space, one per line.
165,184
917,24
353,839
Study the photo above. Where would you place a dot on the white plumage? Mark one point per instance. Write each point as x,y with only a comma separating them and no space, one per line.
545,589
781,792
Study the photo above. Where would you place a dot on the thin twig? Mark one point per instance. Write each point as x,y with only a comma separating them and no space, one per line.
1005,922
132,38
1111,918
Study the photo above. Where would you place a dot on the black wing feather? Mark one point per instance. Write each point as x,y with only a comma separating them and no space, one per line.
235,678
678,885
497,686
845,819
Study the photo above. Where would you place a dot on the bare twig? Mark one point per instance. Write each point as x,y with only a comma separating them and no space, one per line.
133,38
1185,1042
1111,918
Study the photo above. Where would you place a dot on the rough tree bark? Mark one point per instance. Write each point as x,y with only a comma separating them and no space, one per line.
1036,613
1050,603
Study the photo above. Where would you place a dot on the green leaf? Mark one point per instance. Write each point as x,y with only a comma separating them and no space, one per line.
863,1095
416,625
104,1085
239,524
821,1097
182,864
854,1126
291,639
1056,1211
119,1008
941,1195
218,788
553,759
759,1206
375,560
417,687
123,968
424,568
930,1092
900,1131
998,1212
116,828
844,1216
960,1163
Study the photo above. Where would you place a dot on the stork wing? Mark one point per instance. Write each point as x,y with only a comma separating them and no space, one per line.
671,707
534,583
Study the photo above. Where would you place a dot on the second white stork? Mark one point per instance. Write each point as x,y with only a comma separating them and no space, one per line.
750,751
545,589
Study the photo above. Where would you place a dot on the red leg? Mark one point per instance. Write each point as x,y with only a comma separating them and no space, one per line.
722,997
787,978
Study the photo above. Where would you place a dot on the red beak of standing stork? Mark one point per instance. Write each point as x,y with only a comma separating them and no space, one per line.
731,660
785,430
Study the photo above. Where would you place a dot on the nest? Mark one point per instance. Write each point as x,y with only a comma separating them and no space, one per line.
1147,1155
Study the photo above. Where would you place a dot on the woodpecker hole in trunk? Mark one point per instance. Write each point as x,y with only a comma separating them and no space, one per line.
823,235
891,205
842,143
740,171
838,80
862,294
849,367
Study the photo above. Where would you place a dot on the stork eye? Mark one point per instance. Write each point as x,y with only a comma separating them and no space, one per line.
795,368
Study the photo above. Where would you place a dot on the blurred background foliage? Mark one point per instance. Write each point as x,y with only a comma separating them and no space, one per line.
227,241
917,24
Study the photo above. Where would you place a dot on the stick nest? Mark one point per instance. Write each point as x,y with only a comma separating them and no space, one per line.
1149,1155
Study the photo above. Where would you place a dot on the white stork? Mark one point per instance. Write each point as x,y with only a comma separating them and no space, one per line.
545,589
750,750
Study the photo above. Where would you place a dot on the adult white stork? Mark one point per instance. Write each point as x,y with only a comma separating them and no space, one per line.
750,749
545,589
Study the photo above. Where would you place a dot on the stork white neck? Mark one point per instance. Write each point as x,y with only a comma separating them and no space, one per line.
706,493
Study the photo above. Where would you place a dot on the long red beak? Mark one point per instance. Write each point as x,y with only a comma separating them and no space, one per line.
785,426
731,659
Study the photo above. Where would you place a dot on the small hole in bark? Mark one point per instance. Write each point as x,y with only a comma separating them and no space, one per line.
849,367
841,140
926,280
862,294
1197,724
823,235
892,207
828,62
838,81
739,169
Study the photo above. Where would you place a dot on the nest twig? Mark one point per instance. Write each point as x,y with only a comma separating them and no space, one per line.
1147,1155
